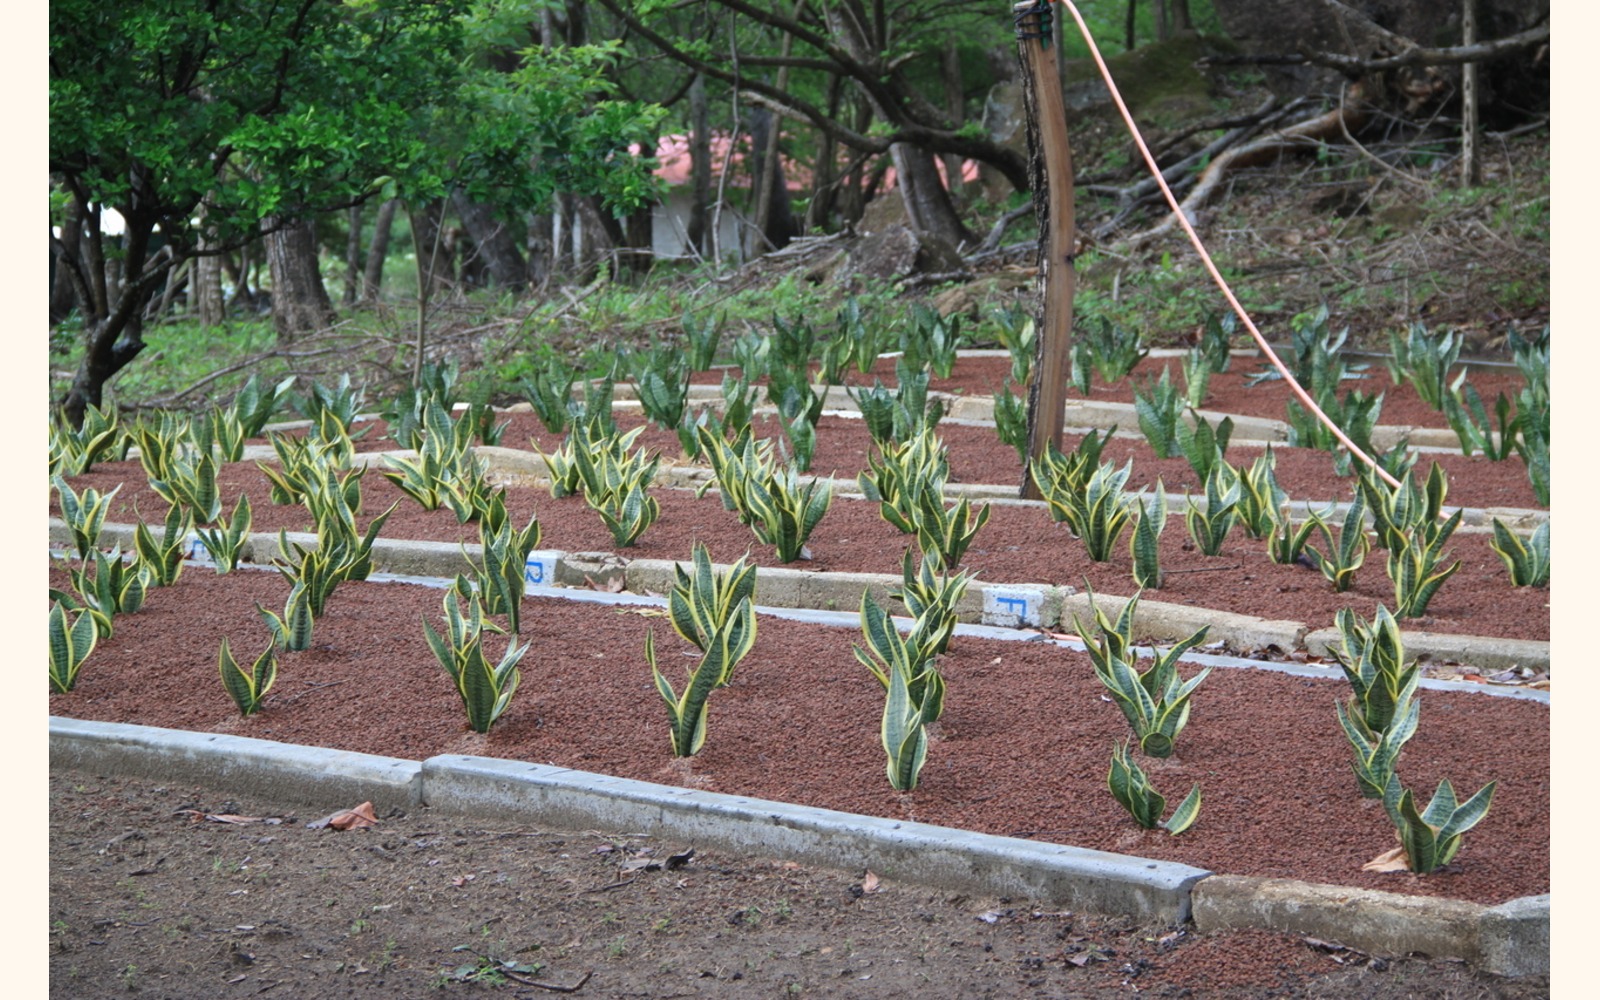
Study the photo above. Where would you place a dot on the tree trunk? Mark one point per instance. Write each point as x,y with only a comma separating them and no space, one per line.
435,260
1163,32
1182,20
541,255
699,167
112,310
352,256
824,178
955,102
774,221
206,302
927,202
378,252
1128,25
300,303
496,245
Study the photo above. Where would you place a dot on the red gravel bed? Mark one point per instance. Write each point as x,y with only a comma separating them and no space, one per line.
1018,545
800,724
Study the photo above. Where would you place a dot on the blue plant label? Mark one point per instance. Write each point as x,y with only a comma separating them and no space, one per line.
540,569
1013,607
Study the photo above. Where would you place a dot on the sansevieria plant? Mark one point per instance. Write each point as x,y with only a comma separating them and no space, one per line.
703,602
162,557
1527,560
225,543
247,686
903,733
1155,701
485,688
292,632
71,642
1131,787
84,515
1145,545
1431,838
724,649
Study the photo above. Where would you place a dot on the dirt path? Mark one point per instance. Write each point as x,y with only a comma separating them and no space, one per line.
147,901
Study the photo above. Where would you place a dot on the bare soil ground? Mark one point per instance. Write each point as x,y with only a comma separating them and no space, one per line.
147,900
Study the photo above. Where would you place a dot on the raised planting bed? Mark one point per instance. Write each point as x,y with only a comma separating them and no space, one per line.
1022,749
1019,544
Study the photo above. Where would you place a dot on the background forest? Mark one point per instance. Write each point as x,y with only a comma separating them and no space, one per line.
244,187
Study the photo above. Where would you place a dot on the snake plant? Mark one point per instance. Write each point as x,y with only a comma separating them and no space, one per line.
1011,421
83,514
1145,544
70,645
1131,787
701,335
702,602
1418,570
1260,496
1425,362
1527,560
162,557
901,472
782,513
485,688
340,403
931,599
444,465
292,631
1017,332
1209,527
1372,656
160,437
1098,512
1431,838
191,482
1286,544
247,686
225,543
1154,701
548,389
254,407
1158,404
1203,445
1344,557
75,450
1377,753
1055,472
502,576
1196,378
945,533
115,587
734,465
888,654
1114,351
903,733
723,650
1397,512
627,510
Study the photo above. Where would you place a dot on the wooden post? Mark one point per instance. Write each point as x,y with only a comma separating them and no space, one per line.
1471,167
1050,159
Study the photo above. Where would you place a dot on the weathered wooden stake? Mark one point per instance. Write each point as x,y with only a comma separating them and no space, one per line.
1050,159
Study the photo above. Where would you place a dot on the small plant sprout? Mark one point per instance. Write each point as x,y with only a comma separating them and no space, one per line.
1131,787
1527,560
485,688
247,686
71,642
1429,840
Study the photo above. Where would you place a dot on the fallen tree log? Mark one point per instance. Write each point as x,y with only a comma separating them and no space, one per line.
1349,116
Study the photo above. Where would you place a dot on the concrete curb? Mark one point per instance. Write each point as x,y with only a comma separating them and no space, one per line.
1512,939
1004,604
300,774
915,852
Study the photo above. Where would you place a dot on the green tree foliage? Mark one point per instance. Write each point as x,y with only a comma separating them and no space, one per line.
201,121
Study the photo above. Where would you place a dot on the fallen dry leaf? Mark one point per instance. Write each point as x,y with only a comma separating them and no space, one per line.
196,816
1389,861
358,818
869,883
461,880
611,586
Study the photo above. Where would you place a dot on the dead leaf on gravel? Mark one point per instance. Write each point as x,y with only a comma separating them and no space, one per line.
197,816
358,818
461,880
869,883
611,586
1393,860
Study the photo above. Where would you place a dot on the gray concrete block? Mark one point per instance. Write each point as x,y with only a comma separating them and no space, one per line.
1163,622
1379,923
585,569
270,771
1484,652
411,558
914,852
1514,937
1015,606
